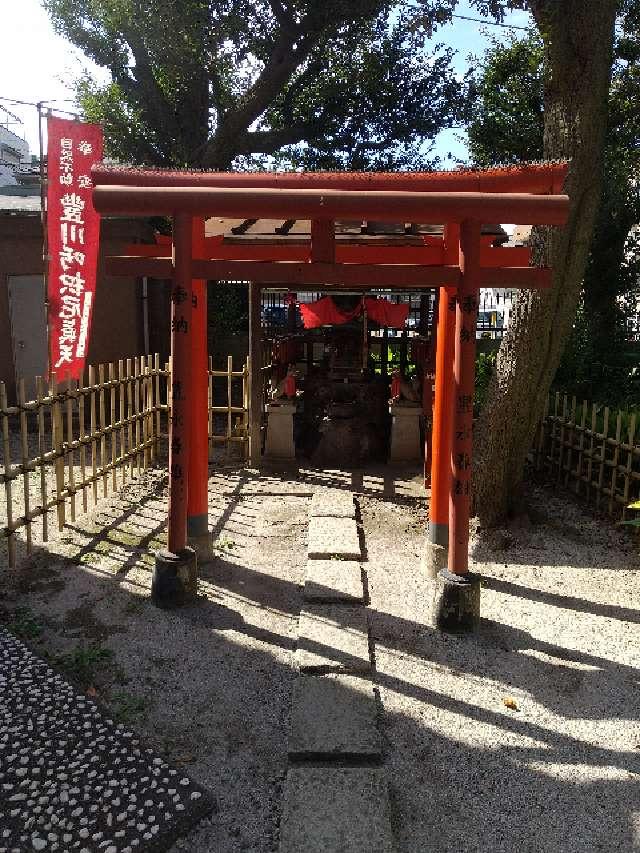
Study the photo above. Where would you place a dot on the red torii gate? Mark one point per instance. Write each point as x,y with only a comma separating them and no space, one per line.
458,264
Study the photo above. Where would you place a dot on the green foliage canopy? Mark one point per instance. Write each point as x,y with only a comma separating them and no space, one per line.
507,126
507,95
304,83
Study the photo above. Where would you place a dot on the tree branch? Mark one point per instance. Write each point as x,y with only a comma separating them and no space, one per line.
284,18
151,98
290,49
235,123
268,141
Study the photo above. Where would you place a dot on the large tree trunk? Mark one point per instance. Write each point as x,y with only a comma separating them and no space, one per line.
578,36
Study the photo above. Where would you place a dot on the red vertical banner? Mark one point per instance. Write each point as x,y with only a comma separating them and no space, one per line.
73,230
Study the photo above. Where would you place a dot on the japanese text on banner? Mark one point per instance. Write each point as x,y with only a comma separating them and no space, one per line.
73,236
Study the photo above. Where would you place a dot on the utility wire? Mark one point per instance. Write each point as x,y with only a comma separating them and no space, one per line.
491,23
40,104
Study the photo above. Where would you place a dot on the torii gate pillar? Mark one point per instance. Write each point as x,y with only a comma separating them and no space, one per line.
175,573
457,592
198,534
442,432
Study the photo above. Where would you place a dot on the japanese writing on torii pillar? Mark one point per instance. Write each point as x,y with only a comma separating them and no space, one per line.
178,322
462,440
180,326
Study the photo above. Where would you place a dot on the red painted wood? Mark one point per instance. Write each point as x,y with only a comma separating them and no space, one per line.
525,177
443,399
432,254
333,204
466,316
197,505
362,275
399,276
344,253
181,402
505,256
323,247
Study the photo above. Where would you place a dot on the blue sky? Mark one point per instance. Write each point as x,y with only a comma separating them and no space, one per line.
37,64
469,39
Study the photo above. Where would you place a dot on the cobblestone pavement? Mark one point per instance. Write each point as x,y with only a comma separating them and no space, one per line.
73,780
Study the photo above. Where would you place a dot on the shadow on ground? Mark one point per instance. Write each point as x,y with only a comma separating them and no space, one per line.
212,682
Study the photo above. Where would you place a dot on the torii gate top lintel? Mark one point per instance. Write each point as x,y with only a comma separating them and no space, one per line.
538,178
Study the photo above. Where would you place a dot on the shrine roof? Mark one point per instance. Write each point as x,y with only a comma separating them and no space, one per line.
354,231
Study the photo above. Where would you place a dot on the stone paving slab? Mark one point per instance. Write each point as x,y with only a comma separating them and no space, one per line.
333,715
335,503
336,810
333,638
333,537
73,780
333,580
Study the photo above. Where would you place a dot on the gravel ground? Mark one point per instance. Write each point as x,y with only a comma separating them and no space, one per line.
210,686
559,637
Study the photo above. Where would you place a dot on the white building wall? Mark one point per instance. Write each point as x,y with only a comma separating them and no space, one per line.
14,151
496,304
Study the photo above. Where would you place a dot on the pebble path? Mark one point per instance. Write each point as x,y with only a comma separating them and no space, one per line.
73,780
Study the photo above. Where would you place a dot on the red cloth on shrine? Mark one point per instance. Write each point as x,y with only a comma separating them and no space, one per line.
386,313
324,312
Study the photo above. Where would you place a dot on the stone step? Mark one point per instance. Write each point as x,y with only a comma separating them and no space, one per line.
329,537
333,580
334,503
333,638
336,810
333,716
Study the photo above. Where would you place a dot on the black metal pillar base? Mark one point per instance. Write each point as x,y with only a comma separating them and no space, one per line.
456,602
175,578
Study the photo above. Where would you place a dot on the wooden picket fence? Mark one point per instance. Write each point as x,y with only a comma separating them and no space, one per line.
78,442
592,450
75,443
232,416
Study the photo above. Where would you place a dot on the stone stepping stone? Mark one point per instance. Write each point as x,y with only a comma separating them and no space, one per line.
333,638
333,716
335,503
336,810
330,537
74,780
333,580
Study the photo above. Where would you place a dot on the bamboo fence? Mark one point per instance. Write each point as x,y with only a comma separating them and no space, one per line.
591,450
76,443
229,394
